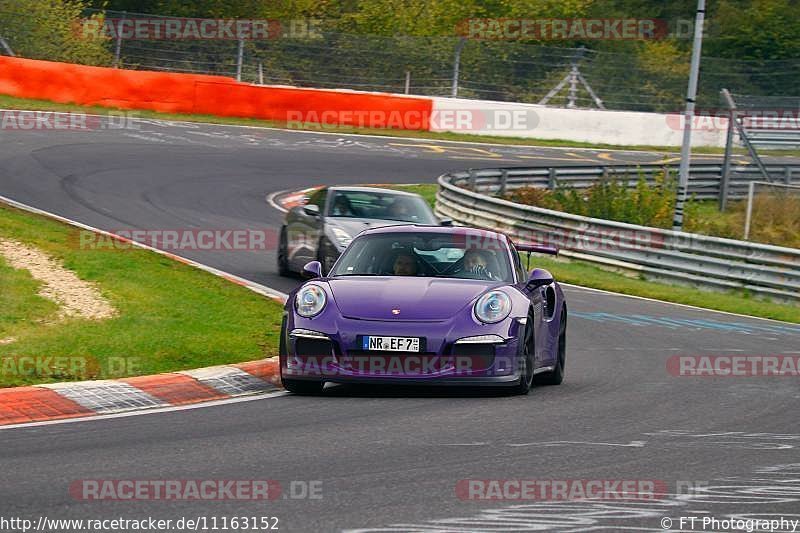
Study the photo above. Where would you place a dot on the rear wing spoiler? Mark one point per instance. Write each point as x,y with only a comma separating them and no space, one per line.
537,248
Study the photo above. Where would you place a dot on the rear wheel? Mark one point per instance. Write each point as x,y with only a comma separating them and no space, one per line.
526,359
283,254
556,376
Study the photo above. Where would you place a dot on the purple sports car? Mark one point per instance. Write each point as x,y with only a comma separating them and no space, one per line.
425,305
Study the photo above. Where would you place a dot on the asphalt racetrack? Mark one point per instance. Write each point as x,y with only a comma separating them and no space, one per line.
391,459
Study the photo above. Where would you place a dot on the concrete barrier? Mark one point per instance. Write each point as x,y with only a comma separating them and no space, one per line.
584,125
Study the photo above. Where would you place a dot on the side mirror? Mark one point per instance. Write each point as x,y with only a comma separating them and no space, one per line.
445,221
311,210
539,278
312,270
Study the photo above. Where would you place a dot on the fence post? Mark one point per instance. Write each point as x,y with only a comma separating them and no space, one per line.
787,175
408,82
118,46
724,178
456,66
551,179
260,73
5,46
751,187
503,182
473,180
239,60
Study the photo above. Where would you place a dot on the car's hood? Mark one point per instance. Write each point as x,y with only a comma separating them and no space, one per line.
413,298
354,226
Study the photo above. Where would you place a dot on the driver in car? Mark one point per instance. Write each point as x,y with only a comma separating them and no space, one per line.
476,265
399,210
342,207
405,264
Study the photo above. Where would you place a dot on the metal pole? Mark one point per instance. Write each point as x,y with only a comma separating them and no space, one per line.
572,95
408,82
750,191
118,47
691,94
456,65
239,60
503,182
725,176
745,139
260,73
5,46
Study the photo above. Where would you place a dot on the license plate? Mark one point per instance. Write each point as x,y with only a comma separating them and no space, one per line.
390,344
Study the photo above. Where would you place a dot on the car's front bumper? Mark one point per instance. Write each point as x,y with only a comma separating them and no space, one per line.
334,353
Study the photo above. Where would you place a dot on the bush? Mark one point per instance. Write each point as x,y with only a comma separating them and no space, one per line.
610,198
50,29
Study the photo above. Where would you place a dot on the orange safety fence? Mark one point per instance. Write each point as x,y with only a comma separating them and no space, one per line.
171,92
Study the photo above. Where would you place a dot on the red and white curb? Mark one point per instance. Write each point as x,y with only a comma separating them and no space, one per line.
20,405
60,401
285,200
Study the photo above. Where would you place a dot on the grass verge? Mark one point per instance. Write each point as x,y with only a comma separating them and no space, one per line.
587,274
171,316
11,102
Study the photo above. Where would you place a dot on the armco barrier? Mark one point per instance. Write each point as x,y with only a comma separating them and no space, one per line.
704,180
687,258
192,93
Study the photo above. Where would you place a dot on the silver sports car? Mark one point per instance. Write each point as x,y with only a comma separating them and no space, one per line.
321,228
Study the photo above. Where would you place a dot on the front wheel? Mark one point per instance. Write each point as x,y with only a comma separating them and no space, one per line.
556,376
526,359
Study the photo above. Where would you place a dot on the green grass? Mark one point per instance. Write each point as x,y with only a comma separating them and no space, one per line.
19,301
11,102
587,274
171,316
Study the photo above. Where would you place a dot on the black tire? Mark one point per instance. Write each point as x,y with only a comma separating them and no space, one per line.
283,254
556,376
527,353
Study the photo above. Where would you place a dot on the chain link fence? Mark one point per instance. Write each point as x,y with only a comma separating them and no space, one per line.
495,70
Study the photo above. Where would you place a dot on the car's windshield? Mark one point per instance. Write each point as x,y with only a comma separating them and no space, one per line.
380,205
449,255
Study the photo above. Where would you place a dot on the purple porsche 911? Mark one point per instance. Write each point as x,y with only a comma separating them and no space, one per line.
425,305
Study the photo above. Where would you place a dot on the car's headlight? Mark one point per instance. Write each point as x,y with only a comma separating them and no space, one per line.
310,300
492,307
342,237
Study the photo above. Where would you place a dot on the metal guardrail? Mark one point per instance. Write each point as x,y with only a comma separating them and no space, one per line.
688,258
704,180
